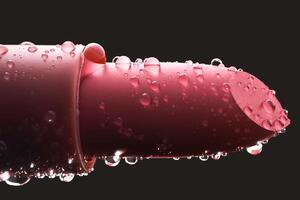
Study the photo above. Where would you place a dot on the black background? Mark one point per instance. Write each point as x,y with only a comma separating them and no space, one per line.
260,38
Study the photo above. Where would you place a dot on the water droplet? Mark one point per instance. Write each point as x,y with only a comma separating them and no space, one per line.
27,43
176,158
204,123
232,69
152,65
269,106
122,62
17,180
118,122
50,117
204,157
32,165
226,87
278,125
10,64
134,81
101,106
6,76
155,86
216,62
59,58
248,110
216,156
44,57
200,78
68,47
95,53
51,173
189,62
138,61
267,124
112,161
70,160
184,80
166,98
145,99
198,70
67,177
131,160
72,54
255,150
32,48
3,50
4,176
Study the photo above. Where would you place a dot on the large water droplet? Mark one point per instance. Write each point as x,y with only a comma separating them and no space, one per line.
95,53
152,65
68,47
255,150
67,177
32,48
122,62
131,160
50,117
17,180
4,176
145,99
3,50
269,106
183,79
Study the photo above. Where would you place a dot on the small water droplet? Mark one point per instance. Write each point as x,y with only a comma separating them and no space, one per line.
183,79
32,49
278,125
3,50
269,106
198,70
152,65
6,76
248,110
10,64
216,156
176,158
32,165
44,57
267,124
255,150
204,157
189,62
166,98
134,81
17,180
155,86
145,99
112,161
4,176
59,58
51,173
204,123
232,69
70,160
122,62
131,160
216,62
68,47
72,54
101,106
226,87
67,177
118,122
50,117
27,43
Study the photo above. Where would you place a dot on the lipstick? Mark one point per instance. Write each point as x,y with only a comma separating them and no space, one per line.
64,106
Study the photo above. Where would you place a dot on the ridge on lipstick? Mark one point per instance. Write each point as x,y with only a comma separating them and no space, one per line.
64,106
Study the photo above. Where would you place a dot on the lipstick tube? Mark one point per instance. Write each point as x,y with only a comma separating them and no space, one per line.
63,106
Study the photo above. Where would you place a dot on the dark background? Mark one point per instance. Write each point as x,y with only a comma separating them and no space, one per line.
263,39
